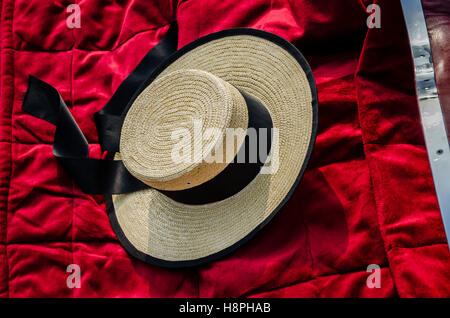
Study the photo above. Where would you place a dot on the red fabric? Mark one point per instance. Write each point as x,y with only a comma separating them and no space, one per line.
366,198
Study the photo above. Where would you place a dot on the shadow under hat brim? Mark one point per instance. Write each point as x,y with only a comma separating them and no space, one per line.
286,46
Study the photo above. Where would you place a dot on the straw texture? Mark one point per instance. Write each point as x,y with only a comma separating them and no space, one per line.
158,226
175,103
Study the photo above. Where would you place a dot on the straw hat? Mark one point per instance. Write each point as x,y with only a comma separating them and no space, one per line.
229,79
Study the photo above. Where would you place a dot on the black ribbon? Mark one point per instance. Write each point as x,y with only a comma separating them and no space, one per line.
70,147
107,176
243,169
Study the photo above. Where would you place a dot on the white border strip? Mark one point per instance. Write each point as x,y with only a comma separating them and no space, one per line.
429,106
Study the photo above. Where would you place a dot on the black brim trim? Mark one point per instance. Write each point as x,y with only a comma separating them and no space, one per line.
306,68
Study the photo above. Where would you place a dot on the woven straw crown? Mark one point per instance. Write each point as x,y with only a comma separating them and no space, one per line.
178,102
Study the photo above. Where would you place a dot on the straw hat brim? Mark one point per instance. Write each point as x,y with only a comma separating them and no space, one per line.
161,231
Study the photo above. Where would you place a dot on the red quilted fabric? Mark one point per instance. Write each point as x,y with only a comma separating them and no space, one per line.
366,198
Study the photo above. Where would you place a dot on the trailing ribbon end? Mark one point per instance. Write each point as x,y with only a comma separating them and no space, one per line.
70,147
43,101
97,176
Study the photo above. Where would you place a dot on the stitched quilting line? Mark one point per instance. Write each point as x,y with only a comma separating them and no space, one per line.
10,66
74,48
72,188
371,181
386,249
315,279
9,51
372,188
